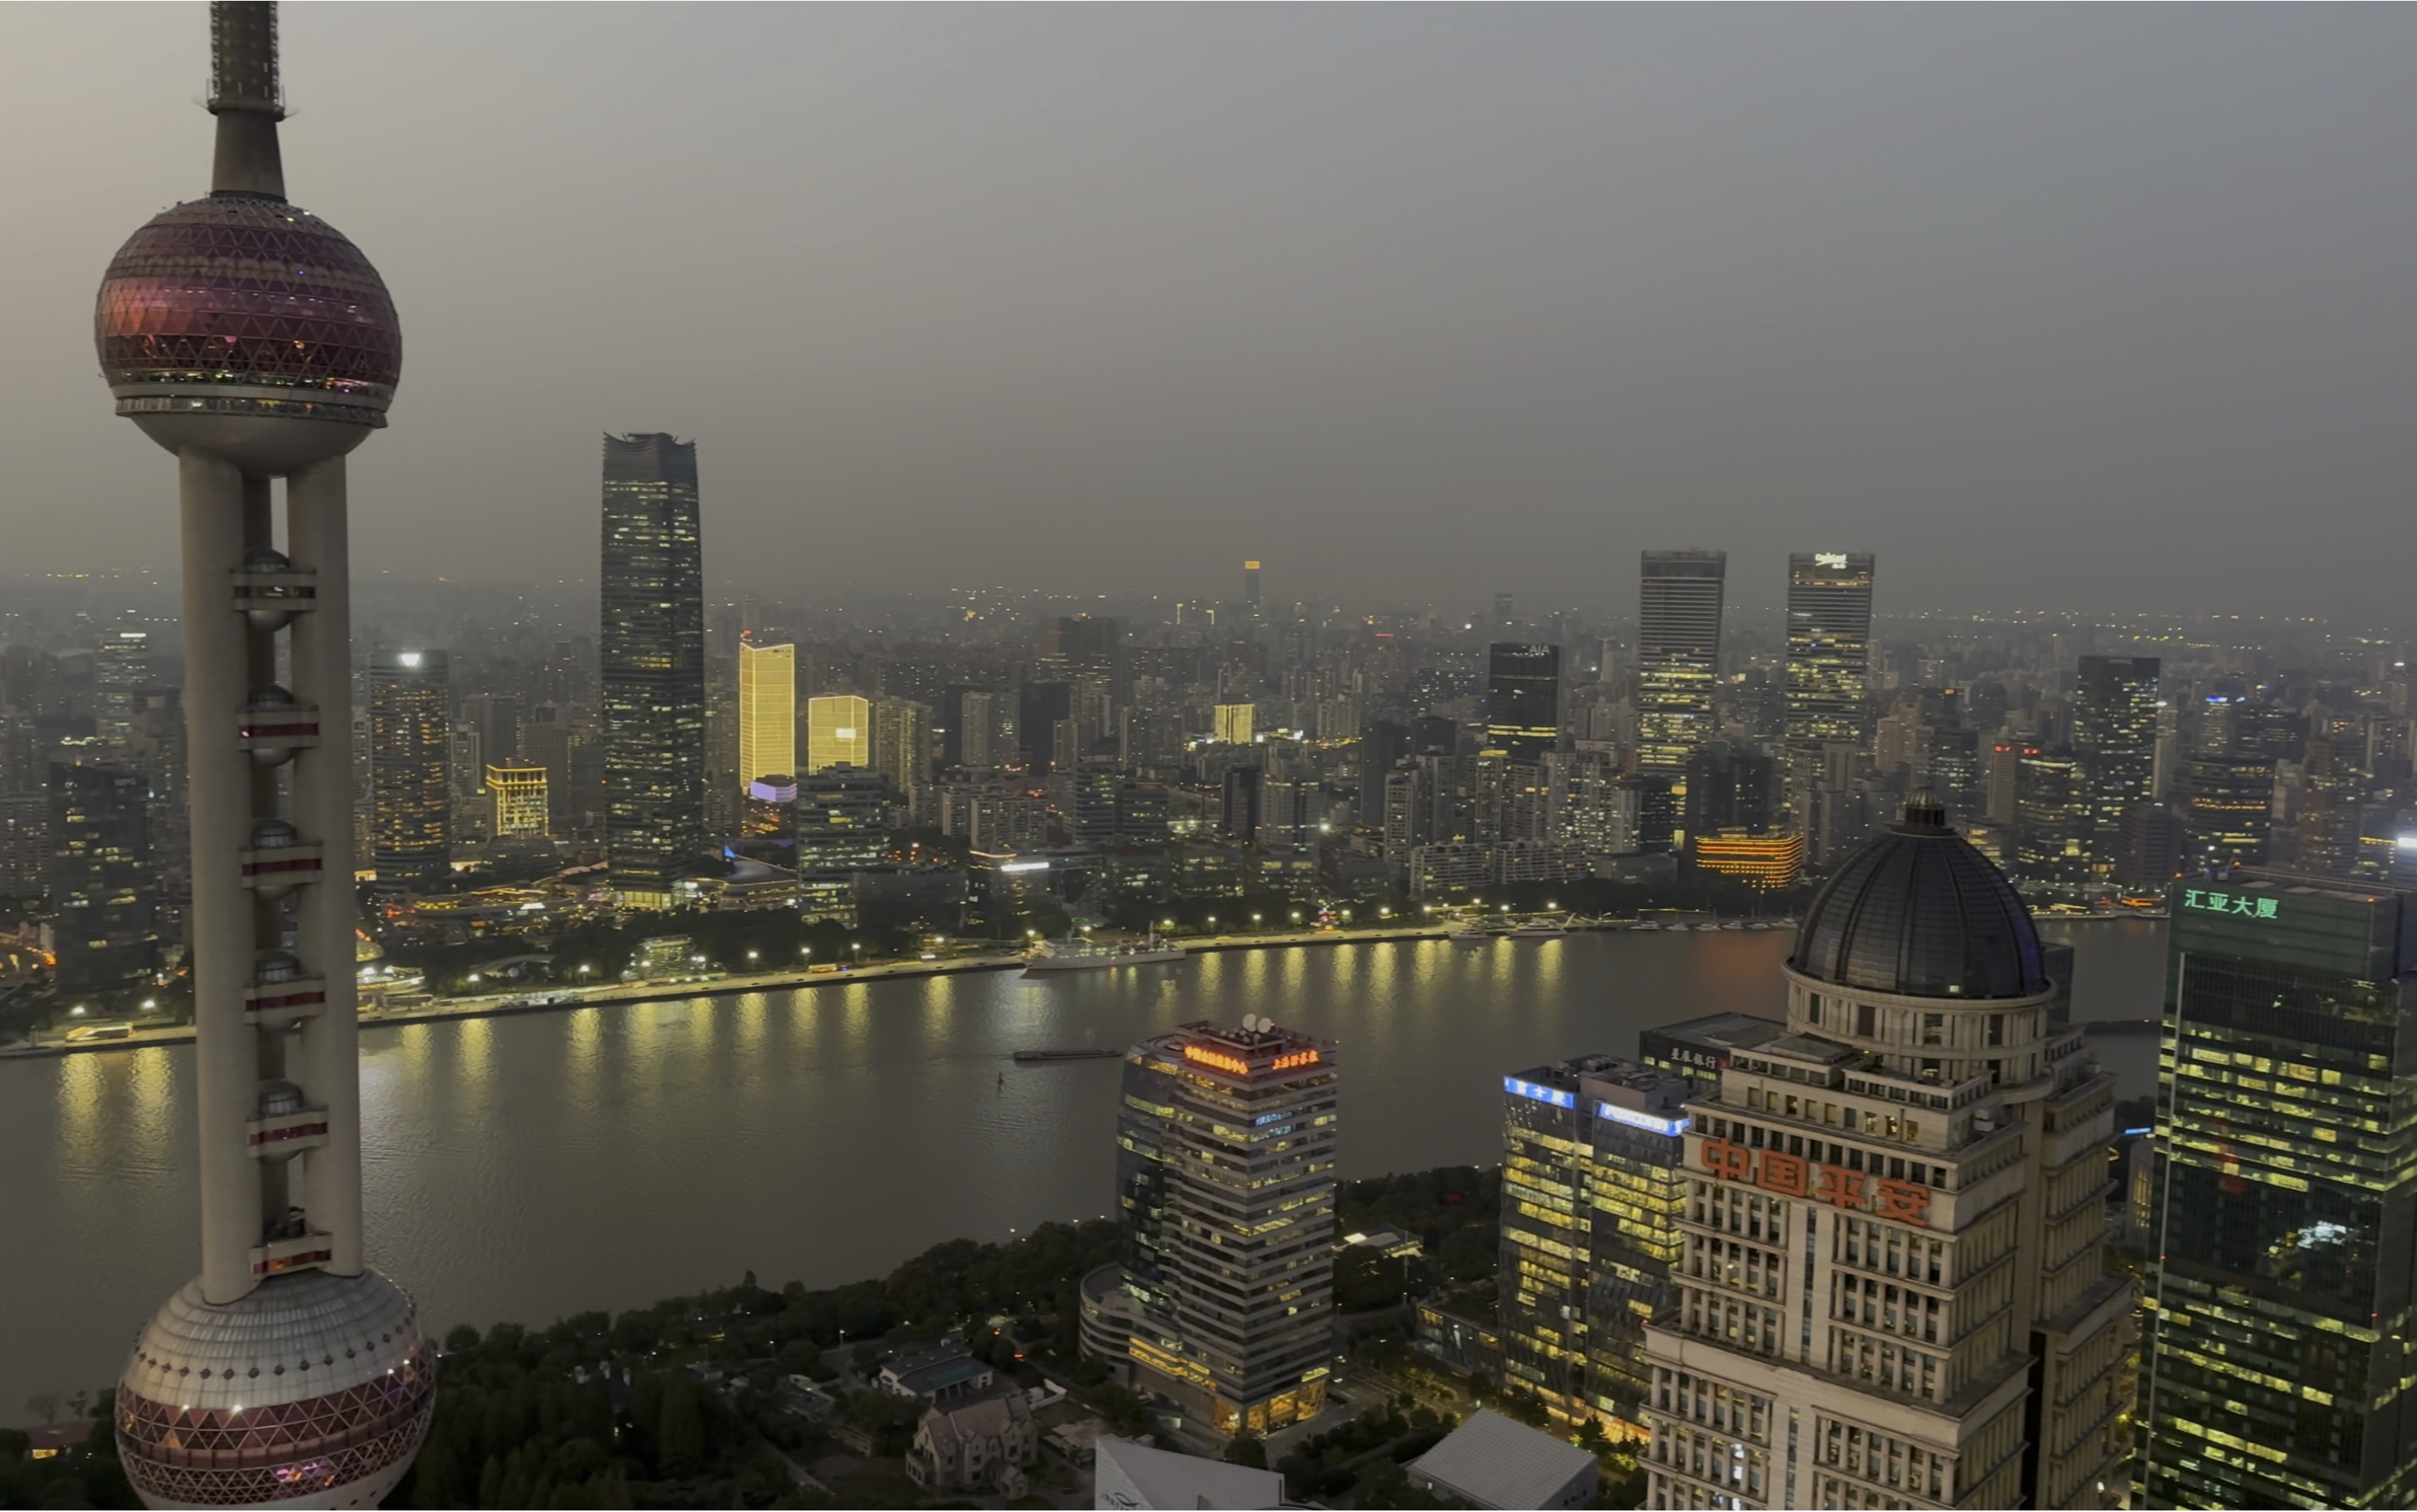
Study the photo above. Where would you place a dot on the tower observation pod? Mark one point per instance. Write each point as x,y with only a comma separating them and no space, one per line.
253,340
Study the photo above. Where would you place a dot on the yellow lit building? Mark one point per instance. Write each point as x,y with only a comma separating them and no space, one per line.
767,712
518,791
1767,861
838,732
1234,723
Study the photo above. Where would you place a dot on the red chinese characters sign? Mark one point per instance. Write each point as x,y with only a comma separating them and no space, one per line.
1791,1175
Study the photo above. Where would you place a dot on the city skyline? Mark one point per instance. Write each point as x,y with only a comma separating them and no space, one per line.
1964,290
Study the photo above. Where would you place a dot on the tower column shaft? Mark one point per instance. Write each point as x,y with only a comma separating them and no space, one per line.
212,494
316,535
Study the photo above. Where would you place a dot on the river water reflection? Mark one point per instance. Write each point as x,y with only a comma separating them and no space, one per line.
527,1167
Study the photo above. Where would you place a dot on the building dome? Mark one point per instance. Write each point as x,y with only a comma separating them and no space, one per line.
1920,912
313,1391
244,305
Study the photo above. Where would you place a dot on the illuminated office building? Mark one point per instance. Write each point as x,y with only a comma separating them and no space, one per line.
1677,655
838,732
2052,819
120,668
1829,648
1234,723
2276,1371
1251,586
253,340
1523,698
651,657
2115,742
1590,1195
1891,1290
411,755
518,792
1769,862
767,712
1225,1176
2227,810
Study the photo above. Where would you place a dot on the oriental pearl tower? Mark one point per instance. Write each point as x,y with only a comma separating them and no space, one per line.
248,338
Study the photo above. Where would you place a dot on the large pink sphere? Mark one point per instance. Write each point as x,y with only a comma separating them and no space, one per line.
240,305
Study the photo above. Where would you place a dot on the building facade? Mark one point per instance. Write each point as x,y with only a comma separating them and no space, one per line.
838,732
1828,690
1677,655
1892,1290
103,884
1590,1195
767,712
2115,742
1523,698
411,762
517,791
1226,1188
2285,1200
651,663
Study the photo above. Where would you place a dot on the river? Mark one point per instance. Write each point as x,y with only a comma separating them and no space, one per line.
541,1164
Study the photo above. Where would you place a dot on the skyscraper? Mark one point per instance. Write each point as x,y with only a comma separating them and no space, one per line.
1226,1189
1891,1290
2115,741
767,711
2275,1368
838,732
1592,1191
1523,698
121,666
103,884
652,653
253,340
1677,655
1251,585
1829,648
411,751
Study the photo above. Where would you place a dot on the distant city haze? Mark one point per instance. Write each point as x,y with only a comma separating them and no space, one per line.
2063,307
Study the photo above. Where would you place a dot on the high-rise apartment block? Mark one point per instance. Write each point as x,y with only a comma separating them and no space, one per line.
2276,1364
1677,655
1891,1289
767,712
410,753
838,732
1225,1188
101,877
651,664
1829,648
1591,1190
902,741
1523,698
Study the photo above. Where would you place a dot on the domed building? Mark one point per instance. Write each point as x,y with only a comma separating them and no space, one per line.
1892,1288
250,339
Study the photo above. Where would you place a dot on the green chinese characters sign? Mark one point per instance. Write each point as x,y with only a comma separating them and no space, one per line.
2207,900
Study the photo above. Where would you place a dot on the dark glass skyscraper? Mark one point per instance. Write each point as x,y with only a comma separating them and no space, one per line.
1523,698
1829,646
411,749
652,652
1677,655
2115,741
2275,1370
100,877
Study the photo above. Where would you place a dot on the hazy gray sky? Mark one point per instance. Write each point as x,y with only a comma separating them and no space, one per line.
2066,306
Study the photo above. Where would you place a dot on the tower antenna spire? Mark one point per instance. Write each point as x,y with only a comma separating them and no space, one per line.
246,97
